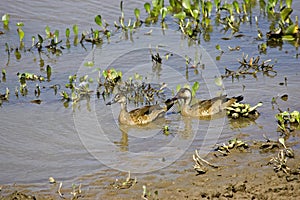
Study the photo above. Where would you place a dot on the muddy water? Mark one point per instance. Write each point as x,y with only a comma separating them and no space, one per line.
38,141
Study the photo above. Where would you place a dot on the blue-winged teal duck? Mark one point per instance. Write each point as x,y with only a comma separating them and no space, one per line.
139,116
204,108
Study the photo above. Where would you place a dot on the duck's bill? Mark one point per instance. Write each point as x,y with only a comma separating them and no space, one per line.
110,103
173,99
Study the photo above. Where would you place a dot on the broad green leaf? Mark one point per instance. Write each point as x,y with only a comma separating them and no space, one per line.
49,71
75,29
147,7
186,4
5,19
163,12
217,3
195,14
288,38
262,4
67,32
292,29
218,47
3,72
289,3
236,6
137,13
89,64
208,6
20,24
195,87
178,87
218,81
285,14
180,15
172,3
98,20
21,34
56,34
17,54
47,31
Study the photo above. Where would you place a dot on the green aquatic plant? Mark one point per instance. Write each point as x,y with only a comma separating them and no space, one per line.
67,33
232,144
78,92
237,110
49,72
30,76
5,20
21,34
287,120
251,67
112,75
3,75
282,27
75,29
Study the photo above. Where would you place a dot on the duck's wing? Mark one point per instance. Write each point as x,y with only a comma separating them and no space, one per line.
146,110
205,105
146,114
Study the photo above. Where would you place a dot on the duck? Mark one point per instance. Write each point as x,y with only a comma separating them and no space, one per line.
203,108
142,115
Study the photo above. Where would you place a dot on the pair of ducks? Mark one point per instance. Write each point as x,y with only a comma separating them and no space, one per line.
147,114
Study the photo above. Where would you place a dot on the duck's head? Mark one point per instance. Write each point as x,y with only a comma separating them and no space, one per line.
183,93
119,98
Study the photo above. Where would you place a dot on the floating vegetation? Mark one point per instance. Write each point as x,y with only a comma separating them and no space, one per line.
237,110
77,92
124,184
283,27
251,67
5,20
288,121
4,97
135,88
30,76
232,144
166,130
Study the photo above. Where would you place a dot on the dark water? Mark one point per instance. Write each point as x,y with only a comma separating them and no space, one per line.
38,141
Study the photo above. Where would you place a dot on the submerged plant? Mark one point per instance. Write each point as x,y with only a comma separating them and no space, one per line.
251,67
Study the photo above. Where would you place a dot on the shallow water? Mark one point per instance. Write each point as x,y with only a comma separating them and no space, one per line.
38,141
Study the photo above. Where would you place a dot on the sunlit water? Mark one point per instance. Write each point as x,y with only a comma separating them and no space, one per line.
38,141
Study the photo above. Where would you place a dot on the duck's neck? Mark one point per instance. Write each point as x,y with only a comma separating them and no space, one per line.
123,116
124,107
187,102
185,107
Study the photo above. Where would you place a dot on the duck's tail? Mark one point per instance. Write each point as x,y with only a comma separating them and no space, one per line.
229,101
238,98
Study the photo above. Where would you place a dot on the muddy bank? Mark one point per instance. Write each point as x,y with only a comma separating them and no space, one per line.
246,174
